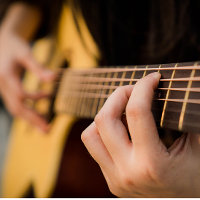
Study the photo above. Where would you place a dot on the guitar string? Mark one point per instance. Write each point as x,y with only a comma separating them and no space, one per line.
166,121
191,124
179,89
177,111
99,87
153,109
81,79
196,125
99,79
96,95
110,70
114,87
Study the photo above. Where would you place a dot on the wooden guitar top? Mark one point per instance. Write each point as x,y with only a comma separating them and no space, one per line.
33,158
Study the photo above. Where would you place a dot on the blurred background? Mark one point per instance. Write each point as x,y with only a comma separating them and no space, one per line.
5,124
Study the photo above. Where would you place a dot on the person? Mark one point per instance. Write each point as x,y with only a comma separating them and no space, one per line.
142,166
139,32
17,30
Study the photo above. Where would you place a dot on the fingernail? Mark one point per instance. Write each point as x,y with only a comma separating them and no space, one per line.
156,75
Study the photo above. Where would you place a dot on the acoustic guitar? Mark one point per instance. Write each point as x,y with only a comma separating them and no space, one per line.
34,159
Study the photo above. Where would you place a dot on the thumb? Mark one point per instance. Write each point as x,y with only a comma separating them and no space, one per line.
28,61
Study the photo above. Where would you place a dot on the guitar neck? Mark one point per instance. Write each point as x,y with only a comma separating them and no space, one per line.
176,103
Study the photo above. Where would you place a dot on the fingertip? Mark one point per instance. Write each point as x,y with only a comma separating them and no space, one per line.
43,129
48,75
155,75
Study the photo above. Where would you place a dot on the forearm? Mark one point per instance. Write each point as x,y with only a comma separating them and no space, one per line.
22,20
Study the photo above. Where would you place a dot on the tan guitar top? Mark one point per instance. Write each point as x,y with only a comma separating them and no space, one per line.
33,158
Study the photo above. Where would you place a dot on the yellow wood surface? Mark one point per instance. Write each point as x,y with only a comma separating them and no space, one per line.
33,158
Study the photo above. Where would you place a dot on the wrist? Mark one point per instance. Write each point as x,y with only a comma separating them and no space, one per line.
21,20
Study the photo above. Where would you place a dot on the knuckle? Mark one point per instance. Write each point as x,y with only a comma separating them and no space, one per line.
86,135
126,179
100,118
135,111
120,89
151,173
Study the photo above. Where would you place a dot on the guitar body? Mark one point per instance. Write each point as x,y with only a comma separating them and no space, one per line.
54,164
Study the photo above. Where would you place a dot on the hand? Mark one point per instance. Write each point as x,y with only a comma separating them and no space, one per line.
142,166
15,54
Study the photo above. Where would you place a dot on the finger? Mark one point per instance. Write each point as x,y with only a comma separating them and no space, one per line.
140,119
27,60
96,147
34,118
123,118
37,95
111,128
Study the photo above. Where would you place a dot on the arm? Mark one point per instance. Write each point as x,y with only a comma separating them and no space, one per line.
17,29
21,20
142,166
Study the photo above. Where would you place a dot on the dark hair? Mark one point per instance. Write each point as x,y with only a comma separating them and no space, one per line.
50,10
133,32
145,31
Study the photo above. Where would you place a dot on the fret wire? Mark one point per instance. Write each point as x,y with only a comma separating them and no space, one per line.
123,76
63,103
102,101
106,70
66,99
177,122
153,109
180,125
75,102
192,112
159,68
187,89
195,101
72,104
144,74
167,96
132,76
79,101
84,105
72,108
96,95
92,99
89,105
113,83
81,79
95,102
105,87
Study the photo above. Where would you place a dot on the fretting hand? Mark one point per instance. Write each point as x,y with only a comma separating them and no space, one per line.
142,166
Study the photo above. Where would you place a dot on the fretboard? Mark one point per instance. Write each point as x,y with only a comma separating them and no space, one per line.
176,104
